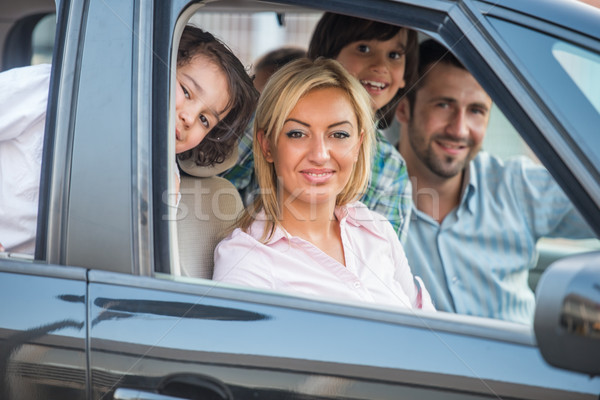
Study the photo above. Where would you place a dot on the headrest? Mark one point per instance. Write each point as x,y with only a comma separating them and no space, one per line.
190,167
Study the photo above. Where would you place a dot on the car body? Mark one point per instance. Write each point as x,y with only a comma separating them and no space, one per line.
98,312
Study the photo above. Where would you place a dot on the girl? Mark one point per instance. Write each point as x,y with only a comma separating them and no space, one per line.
305,232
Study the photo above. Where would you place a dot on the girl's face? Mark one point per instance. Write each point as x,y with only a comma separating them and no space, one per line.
201,97
378,65
317,148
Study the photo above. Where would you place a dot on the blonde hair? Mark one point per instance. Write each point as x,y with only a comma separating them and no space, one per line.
279,97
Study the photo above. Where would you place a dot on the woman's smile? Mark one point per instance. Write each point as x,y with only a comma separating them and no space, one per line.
318,176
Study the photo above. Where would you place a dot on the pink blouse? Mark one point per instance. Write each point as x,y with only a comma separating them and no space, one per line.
376,268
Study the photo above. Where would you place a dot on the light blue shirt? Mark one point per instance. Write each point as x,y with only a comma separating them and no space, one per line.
477,260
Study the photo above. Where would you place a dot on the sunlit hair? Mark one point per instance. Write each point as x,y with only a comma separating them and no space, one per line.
221,140
279,97
335,31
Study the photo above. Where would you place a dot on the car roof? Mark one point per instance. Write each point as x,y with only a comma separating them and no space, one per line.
571,14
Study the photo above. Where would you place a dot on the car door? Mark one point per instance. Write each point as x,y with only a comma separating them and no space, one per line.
42,331
187,338
138,330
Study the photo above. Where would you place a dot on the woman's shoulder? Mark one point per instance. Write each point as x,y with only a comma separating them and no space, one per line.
231,250
360,215
237,237
240,259
251,236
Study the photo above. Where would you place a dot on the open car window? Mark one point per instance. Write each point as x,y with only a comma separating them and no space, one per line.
252,34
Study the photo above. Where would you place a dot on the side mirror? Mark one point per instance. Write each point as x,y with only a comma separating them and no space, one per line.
567,314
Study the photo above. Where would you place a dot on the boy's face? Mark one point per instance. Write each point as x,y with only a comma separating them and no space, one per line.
447,125
201,97
378,65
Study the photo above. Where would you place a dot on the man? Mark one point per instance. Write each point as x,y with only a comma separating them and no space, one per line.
476,219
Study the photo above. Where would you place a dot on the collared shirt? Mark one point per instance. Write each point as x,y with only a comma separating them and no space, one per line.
389,192
376,269
477,260
23,101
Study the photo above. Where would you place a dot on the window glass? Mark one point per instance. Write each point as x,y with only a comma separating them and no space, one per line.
502,139
583,68
570,76
42,40
565,75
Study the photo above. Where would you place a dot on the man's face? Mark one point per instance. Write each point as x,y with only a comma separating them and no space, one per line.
448,121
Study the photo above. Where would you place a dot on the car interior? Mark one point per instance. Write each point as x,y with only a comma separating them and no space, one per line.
209,204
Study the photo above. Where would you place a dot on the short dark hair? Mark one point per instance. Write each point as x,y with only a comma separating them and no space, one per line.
277,58
222,139
335,31
430,54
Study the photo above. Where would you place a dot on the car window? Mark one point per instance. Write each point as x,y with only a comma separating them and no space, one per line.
583,69
504,141
575,97
251,35
42,40
28,40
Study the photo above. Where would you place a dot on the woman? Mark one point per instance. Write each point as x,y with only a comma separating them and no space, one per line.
383,58
305,231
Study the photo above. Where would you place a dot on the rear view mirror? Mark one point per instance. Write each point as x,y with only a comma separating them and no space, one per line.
567,314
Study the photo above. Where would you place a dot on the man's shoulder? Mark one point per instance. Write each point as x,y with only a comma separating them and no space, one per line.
512,176
488,163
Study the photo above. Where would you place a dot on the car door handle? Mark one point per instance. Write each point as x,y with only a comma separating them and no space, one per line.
135,394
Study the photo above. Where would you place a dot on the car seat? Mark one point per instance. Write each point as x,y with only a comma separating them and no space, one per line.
208,207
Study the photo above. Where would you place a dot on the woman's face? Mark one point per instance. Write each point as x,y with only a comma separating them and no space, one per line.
201,97
378,65
317,148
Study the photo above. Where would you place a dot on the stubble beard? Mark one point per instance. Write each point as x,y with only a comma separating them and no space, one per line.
443,166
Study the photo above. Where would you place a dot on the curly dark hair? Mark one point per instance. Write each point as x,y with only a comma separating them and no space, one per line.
221,140
335,31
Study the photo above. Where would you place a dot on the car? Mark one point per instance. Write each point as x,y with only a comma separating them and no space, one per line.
101,309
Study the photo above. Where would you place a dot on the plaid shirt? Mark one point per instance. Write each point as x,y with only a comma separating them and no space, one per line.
389,192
